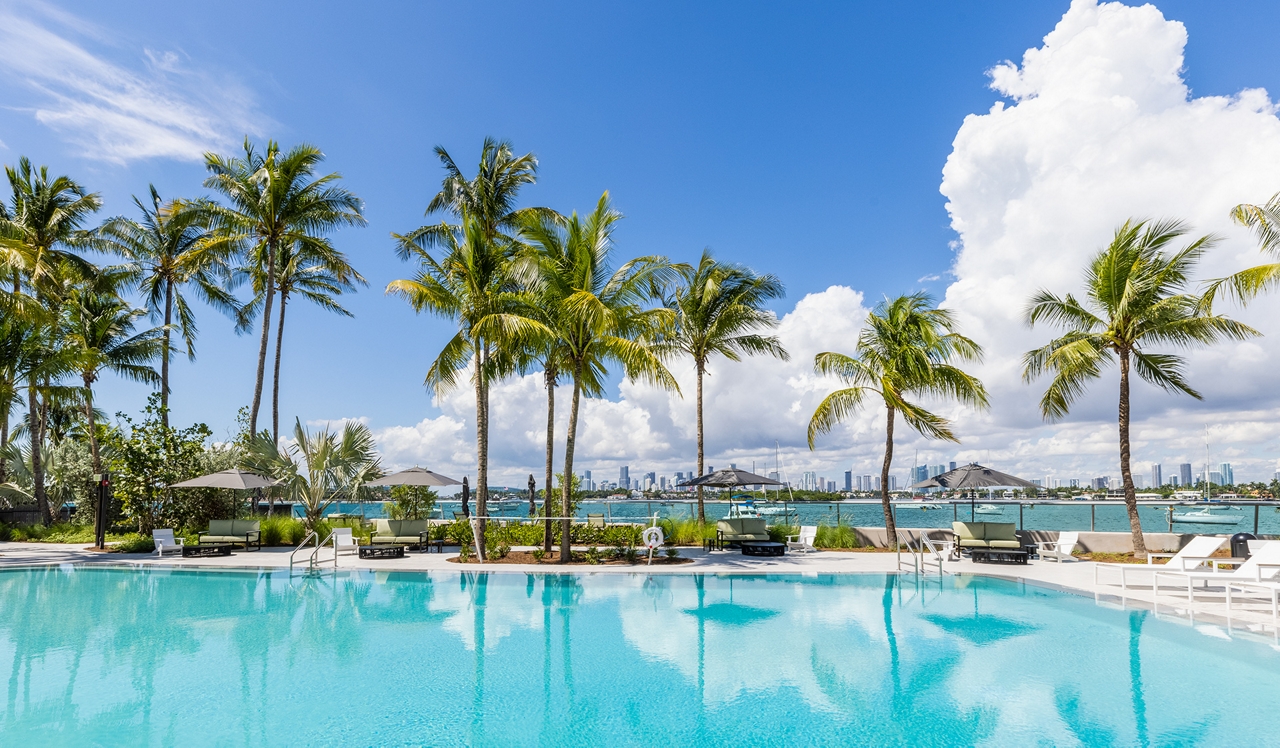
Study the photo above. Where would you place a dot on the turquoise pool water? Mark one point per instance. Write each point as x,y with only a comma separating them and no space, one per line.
126,657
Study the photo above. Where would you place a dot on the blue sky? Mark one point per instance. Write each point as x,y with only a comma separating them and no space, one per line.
803,141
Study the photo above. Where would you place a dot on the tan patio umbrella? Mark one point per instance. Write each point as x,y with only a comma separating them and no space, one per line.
238,479
414,476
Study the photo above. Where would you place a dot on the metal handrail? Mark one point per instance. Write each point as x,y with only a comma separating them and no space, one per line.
311,535
332,539
921,550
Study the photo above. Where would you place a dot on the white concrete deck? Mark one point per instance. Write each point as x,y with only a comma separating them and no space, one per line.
1208,608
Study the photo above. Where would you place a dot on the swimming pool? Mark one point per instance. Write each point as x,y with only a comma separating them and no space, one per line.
131,657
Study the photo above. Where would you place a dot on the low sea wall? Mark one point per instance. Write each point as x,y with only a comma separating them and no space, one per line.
1090,542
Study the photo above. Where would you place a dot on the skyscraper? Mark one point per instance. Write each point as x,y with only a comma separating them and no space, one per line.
624,477
952,465
866,483
1228,475
1184,473
587,485
848,480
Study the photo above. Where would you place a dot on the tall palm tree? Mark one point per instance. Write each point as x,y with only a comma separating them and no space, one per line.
904,351
328,465
168,250
1135,296
602,315
719,309
473,282
40,227
275,201
316,272
98,330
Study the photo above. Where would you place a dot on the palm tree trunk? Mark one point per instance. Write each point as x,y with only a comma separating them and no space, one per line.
266,335
275,375
88,417
482,448
6,393
1130,495
566,485
164,362
37,464
702,511
550,375
891,528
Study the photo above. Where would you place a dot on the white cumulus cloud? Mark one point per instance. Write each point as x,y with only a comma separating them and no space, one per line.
1099,126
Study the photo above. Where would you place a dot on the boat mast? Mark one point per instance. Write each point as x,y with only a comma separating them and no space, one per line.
1207,491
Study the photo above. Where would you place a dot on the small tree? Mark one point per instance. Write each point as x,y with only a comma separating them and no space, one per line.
410,502
147,458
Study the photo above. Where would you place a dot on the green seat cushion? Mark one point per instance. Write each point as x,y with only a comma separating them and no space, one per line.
973,543
221,538
1004,543
969,531
1002,531
222,527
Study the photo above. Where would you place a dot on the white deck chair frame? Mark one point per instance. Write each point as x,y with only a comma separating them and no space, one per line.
804,540
166,542
1059,550
1196,554
1260,567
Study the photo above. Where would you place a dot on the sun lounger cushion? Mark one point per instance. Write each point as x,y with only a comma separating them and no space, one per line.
970,534
1002,535
399,531
735,529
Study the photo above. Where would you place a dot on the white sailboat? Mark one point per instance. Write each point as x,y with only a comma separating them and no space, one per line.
1206,516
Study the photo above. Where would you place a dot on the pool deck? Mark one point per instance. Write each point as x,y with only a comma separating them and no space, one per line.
1207,610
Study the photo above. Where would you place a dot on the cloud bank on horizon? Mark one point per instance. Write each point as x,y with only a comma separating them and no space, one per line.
1095,126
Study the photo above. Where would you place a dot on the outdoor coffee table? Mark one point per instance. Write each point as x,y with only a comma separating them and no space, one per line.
382,551
762,548
206,549
998,555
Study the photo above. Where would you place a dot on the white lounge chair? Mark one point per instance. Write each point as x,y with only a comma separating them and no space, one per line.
1260,567
803,541
1195,555
345,541
1059,550
166,542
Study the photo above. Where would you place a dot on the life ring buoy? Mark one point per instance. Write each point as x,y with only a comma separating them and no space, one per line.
653,538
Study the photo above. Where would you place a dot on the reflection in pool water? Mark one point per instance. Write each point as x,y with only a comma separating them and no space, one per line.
241,658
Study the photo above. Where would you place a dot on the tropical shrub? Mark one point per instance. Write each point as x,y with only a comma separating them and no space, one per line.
147,458
840,536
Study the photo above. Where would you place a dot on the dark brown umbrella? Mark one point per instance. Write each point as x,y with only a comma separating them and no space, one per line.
974,475
729,478
466,494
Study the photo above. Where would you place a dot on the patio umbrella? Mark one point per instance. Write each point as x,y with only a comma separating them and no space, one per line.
533,491
729,478
466,494
974,476
414,476
239,479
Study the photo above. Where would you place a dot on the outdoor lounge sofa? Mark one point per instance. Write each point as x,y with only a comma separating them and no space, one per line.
986,536
737,529
239,531
401,532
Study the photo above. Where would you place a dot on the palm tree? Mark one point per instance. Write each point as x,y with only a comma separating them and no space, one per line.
275,201
719,307
1134,296
329,465
167,250
98,331
601,315
39,228
316,272
473,282
905,350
